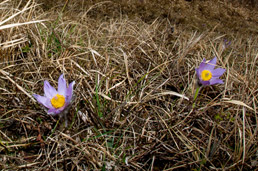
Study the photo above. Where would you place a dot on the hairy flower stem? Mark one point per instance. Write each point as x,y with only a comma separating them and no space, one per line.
197,91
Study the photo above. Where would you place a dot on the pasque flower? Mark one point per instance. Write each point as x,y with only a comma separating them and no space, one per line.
206,73
56,100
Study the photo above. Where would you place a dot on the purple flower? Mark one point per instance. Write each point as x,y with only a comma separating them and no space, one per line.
206,73
56,101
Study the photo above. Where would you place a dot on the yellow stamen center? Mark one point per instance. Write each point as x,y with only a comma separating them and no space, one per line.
58,101
206,75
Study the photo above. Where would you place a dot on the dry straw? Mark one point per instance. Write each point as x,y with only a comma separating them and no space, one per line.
134,66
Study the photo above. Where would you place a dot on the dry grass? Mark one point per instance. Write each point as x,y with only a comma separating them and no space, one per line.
134,67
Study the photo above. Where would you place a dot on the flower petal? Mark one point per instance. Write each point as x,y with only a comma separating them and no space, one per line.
216,81
54,111
218,72
204,82
197,72
43,100
69,92
213,61
49,91
202,65
62,85
211,64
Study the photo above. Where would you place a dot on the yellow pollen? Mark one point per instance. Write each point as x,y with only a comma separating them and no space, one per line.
206,75
58,101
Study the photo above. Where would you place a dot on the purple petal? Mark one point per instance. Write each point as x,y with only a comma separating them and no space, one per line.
69,92
50,91
197,72
43,100
54,111
218,72
202,65
211,64
216,81
204,82
213,61
62,85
